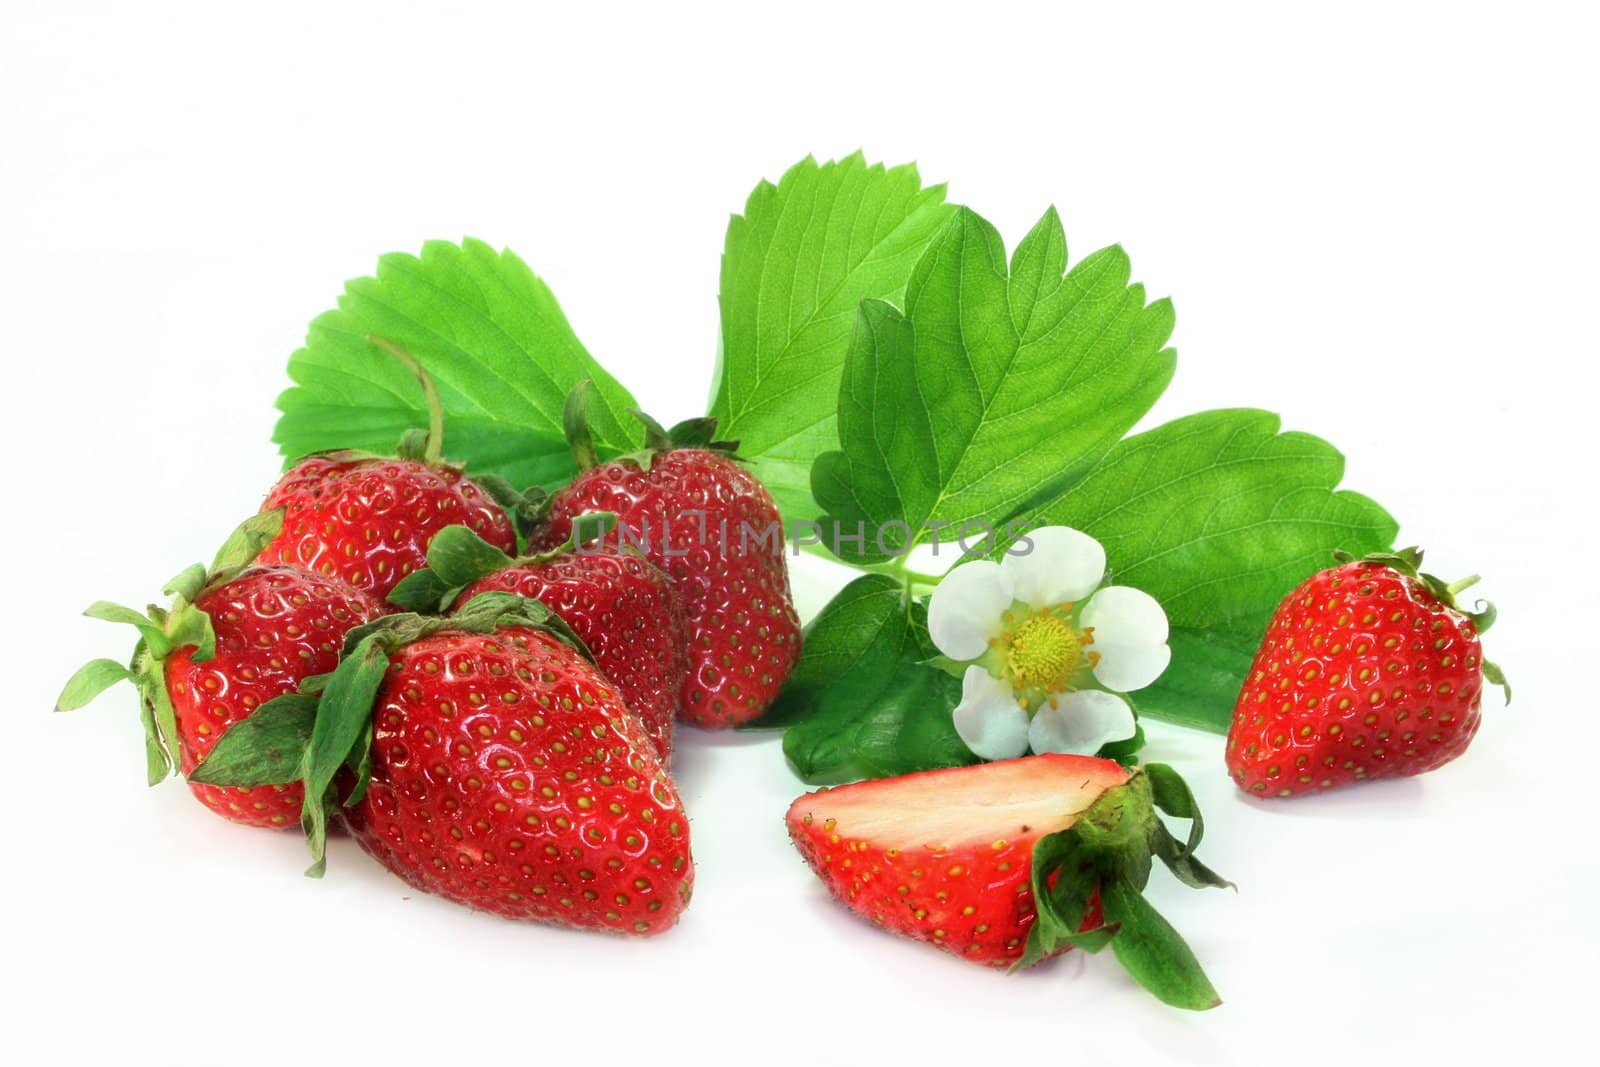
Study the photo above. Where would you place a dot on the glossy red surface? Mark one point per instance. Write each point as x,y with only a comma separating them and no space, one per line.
274,626
885,848
369,521
508,776
1362,674
626,611
687,513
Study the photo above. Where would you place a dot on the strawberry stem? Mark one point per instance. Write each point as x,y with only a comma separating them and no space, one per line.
433,451
1408,561
575,425
897,570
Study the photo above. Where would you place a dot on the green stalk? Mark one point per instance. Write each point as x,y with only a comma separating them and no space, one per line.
434,452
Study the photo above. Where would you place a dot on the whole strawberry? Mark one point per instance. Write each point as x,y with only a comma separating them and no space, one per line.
1005,864
619,603
482,757
234,639
1368,670
714,529
368,519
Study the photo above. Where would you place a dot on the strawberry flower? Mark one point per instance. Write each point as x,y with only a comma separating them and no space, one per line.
1048,648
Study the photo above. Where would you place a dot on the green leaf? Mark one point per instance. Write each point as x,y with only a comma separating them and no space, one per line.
591,526
1496,675
345,711
158,716
697,433
244,544
155,639
1063,879
267,748
794,266
187,626
1170,793
460,557
1218,515
861,630
89,681
1109,848
860,703
994,389
1153,952
457,557
1199,688
359,763
158,764
188,582
424,592
488,332
1126,751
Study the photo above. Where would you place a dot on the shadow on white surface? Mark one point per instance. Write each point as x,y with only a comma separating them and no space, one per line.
1388,800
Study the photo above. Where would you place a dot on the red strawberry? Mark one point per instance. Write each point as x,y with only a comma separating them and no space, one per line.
706,521
495,766
933,857
1007,863
368,519
618,602
1368,670
248,636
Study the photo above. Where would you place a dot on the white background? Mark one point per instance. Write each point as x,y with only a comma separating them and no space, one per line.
1379,222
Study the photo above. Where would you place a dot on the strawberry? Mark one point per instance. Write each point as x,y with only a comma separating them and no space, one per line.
714,529
368,519
618,602
1007,863
482,757
1368,670
234,639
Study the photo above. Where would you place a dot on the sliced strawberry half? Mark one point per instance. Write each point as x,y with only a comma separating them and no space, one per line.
1007,863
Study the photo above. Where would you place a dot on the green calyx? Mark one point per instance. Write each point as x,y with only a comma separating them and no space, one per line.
690,433
525,508
1110,851
1408,561
458,557
325,729
163,631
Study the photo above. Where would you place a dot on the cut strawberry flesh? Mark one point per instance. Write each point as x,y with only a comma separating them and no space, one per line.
1020,799
945,856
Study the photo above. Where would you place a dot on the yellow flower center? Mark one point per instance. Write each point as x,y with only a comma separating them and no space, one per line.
1043,655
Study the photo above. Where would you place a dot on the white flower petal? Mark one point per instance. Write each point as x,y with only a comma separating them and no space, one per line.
1129,667
1130,637
989,719
966,607
1123,615
1084,721
1064,565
